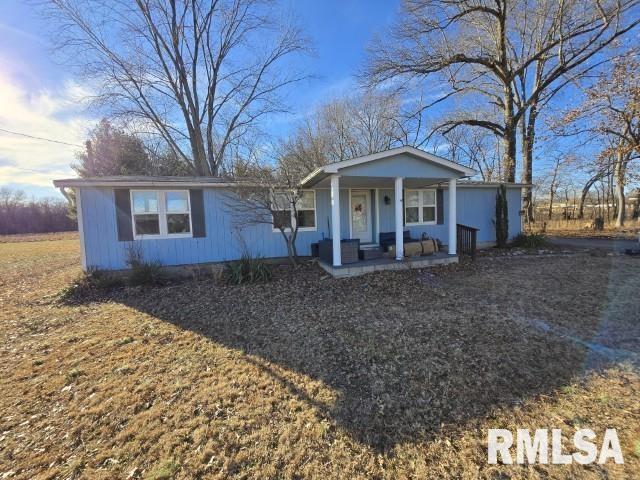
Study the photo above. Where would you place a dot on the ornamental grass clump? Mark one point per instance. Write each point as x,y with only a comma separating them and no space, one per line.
247,270
530,240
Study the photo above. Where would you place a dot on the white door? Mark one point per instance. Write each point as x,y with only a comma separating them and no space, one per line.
361,215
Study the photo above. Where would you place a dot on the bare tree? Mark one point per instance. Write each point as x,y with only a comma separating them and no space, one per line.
359,125
200,73
21,215
610,115
272,196
513,55
476,148
344,128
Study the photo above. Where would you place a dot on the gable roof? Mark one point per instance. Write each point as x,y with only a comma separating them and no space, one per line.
150,181
414,152
310,180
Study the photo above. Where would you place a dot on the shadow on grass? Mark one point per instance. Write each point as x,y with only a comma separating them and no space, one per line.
406,352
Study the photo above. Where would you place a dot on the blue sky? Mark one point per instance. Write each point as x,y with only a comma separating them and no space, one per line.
40,97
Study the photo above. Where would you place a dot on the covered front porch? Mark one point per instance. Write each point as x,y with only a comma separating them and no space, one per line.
393,197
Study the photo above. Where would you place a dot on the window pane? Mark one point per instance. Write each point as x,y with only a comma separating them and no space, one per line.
428,197
306,218
428,214
145,202
411,215
147,224
306,201
411,198
282,218
177,202
178,223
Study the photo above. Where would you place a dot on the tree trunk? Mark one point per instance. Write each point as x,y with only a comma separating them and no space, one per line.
619,173
583,195
509,137
636,208
291,251
528,140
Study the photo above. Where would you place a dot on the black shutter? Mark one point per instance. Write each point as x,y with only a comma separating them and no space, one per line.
123,214
440,206
196,198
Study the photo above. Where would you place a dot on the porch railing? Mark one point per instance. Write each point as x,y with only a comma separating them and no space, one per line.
467,240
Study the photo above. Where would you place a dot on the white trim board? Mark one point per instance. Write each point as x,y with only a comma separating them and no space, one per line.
79,217
335,167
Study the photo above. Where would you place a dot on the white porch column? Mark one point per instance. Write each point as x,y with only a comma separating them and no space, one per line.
399,218
335,219
453,238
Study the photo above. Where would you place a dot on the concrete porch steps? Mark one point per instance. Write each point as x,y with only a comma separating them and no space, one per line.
379,264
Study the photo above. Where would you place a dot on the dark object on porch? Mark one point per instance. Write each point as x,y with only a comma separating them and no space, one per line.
389,238
467,240
314,250
633,252
370,253
348,250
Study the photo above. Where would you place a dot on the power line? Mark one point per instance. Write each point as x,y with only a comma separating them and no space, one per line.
40,138
54,172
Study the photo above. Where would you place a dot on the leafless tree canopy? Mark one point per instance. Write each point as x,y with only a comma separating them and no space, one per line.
270,195
610,116
476,148
199,73
21,215
350,127
513,55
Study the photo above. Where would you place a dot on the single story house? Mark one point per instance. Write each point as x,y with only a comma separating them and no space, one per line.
403,192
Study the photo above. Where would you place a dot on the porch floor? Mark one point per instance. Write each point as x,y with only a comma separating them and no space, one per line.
378,264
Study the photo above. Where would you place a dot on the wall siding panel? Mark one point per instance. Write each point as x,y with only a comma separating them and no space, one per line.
224,239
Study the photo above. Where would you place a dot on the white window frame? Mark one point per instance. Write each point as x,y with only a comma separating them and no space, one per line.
421,205
162,215
293,219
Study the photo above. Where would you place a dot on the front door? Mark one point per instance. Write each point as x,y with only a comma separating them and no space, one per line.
361,215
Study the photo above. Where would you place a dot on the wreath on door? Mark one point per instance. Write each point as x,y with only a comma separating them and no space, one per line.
358,208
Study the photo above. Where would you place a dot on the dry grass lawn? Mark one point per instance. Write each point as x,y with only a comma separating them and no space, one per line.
582,229
393,375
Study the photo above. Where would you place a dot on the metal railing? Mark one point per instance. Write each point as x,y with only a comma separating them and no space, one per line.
467,240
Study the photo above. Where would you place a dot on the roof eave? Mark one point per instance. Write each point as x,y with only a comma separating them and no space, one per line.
75,183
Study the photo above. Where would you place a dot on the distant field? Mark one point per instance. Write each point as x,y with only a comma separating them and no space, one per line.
38,237
582,229
391,375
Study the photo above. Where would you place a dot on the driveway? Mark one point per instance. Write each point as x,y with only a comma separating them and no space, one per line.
614,245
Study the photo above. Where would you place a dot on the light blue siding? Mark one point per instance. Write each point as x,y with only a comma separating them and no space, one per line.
402,165
475,208
224,241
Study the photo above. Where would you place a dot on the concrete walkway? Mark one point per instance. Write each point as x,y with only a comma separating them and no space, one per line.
608,244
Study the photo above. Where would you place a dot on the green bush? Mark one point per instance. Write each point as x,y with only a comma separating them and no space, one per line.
530,240
247,270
